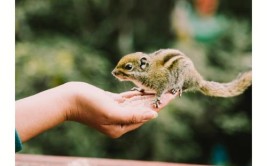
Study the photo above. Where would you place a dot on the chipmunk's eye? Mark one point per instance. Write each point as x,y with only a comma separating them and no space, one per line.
128,66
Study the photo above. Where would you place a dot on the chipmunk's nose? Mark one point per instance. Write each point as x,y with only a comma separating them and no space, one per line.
115,72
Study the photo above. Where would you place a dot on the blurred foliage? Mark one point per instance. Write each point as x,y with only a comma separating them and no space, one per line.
80,40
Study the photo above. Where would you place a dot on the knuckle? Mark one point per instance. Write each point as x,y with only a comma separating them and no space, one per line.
115,133
114,136
133,120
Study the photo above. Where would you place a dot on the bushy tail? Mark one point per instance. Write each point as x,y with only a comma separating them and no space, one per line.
233,88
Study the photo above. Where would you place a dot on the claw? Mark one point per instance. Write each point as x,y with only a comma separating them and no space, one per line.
174,91
180,92
156,102
138,89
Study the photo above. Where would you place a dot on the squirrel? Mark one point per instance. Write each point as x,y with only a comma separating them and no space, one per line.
170,70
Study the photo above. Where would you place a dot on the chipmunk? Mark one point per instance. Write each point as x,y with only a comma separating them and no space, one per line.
169,70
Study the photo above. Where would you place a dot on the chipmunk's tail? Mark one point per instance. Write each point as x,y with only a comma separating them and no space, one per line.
233,88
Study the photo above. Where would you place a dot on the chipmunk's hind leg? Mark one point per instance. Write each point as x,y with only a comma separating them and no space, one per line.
173,91
176,90
178,87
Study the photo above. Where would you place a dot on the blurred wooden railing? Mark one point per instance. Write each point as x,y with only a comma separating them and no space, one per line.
42,160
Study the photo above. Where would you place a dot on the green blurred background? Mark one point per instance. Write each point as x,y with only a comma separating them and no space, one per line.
82,40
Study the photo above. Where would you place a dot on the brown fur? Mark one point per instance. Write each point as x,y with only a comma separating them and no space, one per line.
170,70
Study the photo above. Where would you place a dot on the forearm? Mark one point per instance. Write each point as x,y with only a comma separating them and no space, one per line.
38,113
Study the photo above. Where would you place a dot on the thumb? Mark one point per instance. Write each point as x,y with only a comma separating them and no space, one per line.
134,116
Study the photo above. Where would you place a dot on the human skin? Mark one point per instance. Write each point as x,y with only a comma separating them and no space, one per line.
110,113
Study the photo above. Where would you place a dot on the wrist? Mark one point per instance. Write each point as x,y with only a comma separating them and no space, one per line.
68,100
81,99
74,100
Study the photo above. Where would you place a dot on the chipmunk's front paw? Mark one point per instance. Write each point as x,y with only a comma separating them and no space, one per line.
156,102
138,89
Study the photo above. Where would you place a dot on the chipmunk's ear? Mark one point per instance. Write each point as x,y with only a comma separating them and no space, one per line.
144,62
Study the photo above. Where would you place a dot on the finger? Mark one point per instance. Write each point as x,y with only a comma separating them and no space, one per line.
164,100
132,115
130,94
115,96
138,100
146,101
115,131
111,130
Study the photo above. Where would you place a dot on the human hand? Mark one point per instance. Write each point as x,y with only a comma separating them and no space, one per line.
112,114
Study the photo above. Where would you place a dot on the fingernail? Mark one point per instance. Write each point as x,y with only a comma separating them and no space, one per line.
150,115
